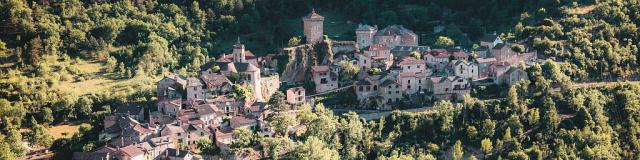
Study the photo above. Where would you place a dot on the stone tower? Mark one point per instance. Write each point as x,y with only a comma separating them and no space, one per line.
238,52
313,28
364,35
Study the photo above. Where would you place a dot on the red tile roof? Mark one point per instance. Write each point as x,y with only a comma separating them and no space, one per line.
320,69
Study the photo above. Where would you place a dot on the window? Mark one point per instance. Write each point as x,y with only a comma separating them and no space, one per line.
360,88
419,81
389,100
409,87
389,92
397,92
409,81
418,66
375,88
389,87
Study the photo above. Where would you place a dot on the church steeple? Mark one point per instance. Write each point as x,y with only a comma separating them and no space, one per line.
238,52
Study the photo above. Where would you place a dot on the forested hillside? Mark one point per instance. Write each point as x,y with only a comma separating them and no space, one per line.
72,60
532,122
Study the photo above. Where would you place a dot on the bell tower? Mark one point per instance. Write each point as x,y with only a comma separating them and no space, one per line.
238,52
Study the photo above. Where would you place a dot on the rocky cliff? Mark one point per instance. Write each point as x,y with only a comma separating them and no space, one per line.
302,57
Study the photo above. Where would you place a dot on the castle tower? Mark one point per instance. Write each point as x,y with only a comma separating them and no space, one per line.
238,52
313,28
364,35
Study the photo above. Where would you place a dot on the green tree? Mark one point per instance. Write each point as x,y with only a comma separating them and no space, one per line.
294,41
314,149
457,153
40,136
444,42
486,146
278,102
282,123
415,54
242,138
348,70
207,147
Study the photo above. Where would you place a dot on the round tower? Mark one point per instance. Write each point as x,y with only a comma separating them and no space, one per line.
313,27
238,52
364,35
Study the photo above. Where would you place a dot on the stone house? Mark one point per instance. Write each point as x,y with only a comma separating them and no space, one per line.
324,79
175,132
364,35
375,56
227,104
410,64
464,69
512,76
176,154
133,110
170,107
296,95
124,131
490,40
412,82
195,89
448,85
483,66
195,133
395,35
171,86
391,94
366,89
242,121
216,84
437,59
159,146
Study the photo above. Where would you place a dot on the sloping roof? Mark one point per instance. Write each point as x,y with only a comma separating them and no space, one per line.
438,53
486,60
194,82
171,152
320,69
489,37
500,46
364,27
411,60
130,108
239,121
173,129
394,30
295,89
313,16
376,47
363,82
245,67
214,80
176,78
205,109
131,150
387,83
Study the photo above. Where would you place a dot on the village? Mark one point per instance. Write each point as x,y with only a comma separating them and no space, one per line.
393,69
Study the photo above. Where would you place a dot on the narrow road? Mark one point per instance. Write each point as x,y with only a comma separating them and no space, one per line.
330,91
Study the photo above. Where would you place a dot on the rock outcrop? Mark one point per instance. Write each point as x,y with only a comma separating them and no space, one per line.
302,57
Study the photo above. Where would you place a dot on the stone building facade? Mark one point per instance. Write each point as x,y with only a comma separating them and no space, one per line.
313,27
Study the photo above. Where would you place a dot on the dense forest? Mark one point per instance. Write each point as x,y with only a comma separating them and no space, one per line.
46,46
